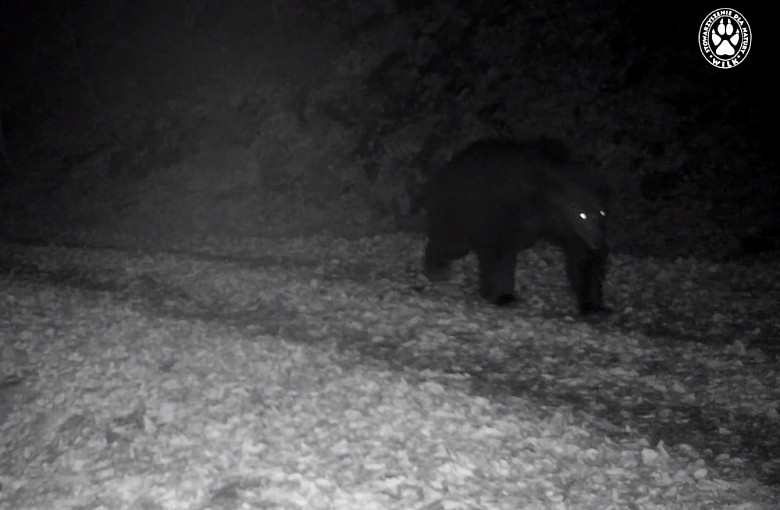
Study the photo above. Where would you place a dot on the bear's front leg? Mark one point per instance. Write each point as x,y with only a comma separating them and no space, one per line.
586,269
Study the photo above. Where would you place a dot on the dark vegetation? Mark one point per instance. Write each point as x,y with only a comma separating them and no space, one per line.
197,118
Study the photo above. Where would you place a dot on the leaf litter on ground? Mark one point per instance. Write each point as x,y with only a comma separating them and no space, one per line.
324,373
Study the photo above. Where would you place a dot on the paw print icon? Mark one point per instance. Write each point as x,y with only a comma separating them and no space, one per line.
724,38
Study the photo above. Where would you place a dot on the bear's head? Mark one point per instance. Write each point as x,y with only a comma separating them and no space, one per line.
581,212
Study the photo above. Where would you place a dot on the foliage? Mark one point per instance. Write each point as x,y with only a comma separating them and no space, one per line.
356,103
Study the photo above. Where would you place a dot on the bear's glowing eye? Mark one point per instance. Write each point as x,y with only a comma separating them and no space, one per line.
603,213
583,216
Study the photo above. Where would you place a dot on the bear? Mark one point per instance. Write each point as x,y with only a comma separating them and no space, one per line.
497,197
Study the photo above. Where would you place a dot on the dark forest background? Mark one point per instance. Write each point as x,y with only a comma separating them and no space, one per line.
146,123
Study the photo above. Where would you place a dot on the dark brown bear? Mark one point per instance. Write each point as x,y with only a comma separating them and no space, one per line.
499,197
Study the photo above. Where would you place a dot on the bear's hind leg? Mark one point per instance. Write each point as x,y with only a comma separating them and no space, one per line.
438,257
497,275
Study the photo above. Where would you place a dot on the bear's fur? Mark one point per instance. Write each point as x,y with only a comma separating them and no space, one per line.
499,197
